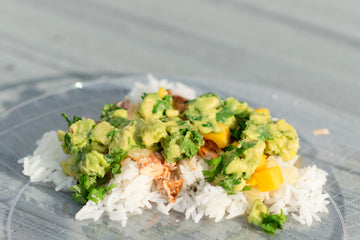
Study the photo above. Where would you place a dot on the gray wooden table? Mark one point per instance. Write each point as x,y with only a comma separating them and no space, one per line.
310,49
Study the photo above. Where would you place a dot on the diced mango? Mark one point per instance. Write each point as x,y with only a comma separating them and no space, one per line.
262,164
269,179
235,143
162,92
222,138
252,181
264,111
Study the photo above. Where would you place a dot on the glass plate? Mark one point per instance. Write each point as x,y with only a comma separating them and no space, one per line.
36,211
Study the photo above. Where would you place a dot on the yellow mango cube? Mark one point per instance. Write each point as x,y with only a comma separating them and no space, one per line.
262,164
222,138
264,111
162,92
252,181
269,179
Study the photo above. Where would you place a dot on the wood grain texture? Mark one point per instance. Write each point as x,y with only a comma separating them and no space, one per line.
305,48
310,49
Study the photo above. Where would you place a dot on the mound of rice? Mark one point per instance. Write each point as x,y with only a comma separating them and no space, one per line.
198,198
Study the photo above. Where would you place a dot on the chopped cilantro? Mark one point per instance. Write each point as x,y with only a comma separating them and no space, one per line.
144,95
191,143
229,183
224,114
162,105
273,222
112,133
217,166
264,133
208,125
70,122
195,118
108,108
118,122
80,194
67,141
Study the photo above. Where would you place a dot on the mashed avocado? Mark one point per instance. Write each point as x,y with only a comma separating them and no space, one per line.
244,164
260,216
207,112
279,136
183,141
126,137
241,135
258,212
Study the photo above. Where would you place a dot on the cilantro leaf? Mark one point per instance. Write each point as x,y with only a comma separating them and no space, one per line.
80,194
195,118
88,182
236,133
115,157
118,122
224,114
162,105
229,183
217,166
208,125
99,192
70,122
244,147
191,143
90,188
112,133
273,222
107,109
67,141
115,169
109,158
235,152
144,95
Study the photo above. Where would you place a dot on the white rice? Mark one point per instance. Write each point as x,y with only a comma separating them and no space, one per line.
154,84
44,164
198,198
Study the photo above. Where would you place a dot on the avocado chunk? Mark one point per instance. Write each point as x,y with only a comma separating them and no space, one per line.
112,114
202,113
259,211
152,131
245,163
94,164
206,113
228,111
78,136
100,132
147,106
285,142
67,169
127,137
153,106
61,137
237,165
182,142
280,137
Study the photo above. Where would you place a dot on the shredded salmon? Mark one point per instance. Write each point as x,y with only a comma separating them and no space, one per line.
210,150
163,174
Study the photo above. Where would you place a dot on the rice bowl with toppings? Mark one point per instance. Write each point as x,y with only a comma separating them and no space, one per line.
134,190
